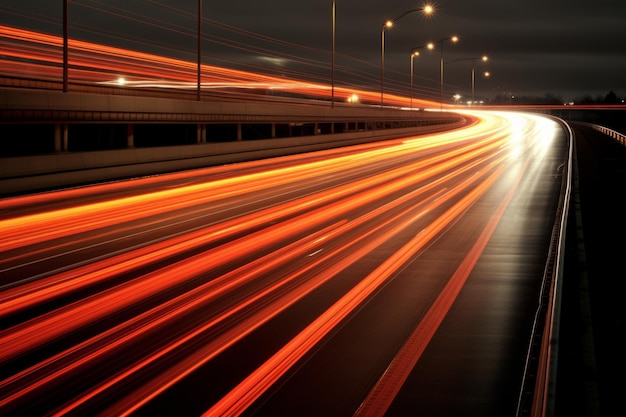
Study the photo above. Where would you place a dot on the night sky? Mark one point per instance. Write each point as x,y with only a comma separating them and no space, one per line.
567,48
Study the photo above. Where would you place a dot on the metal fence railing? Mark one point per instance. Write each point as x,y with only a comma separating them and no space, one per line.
621,138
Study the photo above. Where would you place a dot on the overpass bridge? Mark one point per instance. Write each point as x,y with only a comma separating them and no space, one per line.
54,138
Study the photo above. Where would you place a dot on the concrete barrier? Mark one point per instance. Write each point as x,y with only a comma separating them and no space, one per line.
25,174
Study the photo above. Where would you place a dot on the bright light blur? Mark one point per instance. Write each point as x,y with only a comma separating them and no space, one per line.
353,99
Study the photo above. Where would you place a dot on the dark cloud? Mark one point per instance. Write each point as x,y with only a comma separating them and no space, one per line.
535,46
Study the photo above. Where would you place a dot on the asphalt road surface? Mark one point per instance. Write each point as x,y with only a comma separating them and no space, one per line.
396,278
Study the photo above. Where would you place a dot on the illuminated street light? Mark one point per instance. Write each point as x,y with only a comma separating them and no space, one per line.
486,74
413,55
453,39
426,10
415,52
483,58
332,62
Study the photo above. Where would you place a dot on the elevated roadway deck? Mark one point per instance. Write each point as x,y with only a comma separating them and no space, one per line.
53,139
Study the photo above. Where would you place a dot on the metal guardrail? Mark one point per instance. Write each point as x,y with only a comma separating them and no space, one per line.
610,132
538,390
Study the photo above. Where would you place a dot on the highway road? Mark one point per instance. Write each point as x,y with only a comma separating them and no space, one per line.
394,278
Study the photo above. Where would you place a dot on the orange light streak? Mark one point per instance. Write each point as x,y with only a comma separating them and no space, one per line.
249,390
149,69
59,322
34,228
319,232
30,294
382,395
373,238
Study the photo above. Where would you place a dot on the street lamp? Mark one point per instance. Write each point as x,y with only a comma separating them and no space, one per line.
483,58
486,74
199,71
427,10
332,60
415,52
65,48
453,39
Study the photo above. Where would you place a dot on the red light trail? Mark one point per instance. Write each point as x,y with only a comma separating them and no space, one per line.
33,54
144,282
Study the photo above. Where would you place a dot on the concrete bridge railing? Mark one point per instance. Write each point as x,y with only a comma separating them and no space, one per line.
62,166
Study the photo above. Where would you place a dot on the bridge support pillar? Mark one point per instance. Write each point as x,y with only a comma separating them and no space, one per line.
60,137
130,136
239,134
201,136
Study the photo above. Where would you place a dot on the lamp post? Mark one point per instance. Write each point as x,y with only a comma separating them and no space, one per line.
415,52
413,55
332,59
483,58
486,74
453,39
65,48
199,74
427,10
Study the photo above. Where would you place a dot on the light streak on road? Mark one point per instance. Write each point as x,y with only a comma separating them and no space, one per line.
250,390
114,294
381,396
